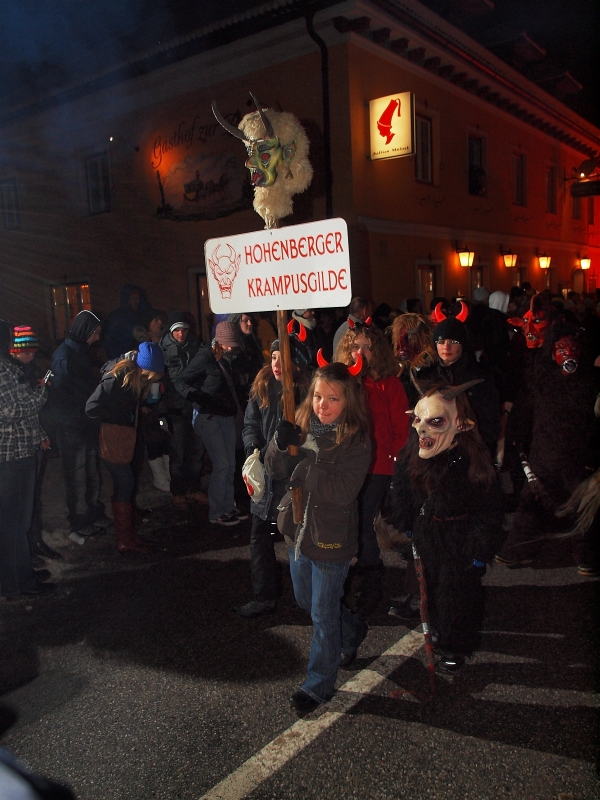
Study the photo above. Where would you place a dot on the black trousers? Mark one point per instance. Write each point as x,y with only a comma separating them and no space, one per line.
263,562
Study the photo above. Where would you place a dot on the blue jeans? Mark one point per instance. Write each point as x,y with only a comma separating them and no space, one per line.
218,435
319,588
123,482
17,484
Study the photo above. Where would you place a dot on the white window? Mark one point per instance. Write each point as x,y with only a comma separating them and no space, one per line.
424,154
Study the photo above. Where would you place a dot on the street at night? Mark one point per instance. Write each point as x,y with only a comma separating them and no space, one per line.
136,680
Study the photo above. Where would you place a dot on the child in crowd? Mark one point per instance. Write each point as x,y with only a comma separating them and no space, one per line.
332,433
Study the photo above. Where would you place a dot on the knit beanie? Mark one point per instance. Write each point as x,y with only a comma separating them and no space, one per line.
178,319
451,328
24,340
150,357
228,334
274,346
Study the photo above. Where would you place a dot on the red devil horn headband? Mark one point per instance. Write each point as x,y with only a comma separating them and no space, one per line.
302,330
366,324
438,315
354,370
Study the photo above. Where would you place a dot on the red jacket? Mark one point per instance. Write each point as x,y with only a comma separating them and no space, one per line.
390,425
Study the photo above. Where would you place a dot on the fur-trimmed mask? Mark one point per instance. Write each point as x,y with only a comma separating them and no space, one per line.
436,420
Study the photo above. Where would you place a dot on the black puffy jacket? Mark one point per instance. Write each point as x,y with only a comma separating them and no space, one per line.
204,383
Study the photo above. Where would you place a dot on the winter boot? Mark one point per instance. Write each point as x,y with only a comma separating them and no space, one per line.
165,459
370,593
37,545
127,538
162,479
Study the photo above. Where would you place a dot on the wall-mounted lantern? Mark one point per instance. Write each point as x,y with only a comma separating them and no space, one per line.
585,262
465,257
543,260
510,259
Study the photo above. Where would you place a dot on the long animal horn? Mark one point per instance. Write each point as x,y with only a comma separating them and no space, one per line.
438,315
228,126
355,369
321,359
464,312
265,120
456,390
416,383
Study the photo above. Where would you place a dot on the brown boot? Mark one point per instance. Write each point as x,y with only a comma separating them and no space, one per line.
127,539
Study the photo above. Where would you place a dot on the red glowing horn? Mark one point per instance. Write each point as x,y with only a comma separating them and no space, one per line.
464,312
301,332
320,358
438,315
368,322
356,368
351,323
290,326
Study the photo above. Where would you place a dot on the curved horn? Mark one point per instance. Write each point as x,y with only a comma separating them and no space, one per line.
228,126
531,303
464,312
302,333
368,322
351,323
265,120
356,368
290,326
456,390
320,358
416,384
438,315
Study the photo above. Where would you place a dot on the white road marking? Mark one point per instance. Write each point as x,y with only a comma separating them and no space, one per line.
537,696
275,754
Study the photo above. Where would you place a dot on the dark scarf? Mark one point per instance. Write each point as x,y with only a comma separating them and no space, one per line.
318,429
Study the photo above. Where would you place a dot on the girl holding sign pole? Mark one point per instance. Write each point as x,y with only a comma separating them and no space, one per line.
332,432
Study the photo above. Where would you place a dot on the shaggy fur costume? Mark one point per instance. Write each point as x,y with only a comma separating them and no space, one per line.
456,523
552,421
274,202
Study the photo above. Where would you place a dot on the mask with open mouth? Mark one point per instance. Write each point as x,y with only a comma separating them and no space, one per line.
566,354
436,420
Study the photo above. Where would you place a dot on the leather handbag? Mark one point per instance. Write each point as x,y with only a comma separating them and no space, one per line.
117,442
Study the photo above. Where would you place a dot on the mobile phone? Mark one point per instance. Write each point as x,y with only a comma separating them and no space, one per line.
47,376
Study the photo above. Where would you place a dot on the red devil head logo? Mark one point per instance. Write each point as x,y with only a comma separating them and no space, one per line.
224,269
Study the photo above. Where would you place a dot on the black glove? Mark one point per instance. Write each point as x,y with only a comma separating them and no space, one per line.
287,433
250,448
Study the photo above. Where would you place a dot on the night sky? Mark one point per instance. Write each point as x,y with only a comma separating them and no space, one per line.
46,44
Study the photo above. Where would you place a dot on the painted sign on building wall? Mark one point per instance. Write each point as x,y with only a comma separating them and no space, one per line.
301,266
392,126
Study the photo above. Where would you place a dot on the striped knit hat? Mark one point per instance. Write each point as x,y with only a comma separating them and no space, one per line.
24,340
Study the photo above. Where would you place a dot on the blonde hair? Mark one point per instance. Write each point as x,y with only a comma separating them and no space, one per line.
133,377
382,363
353,420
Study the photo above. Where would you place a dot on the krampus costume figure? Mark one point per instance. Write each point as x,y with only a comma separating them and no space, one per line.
552,425
445,492
412,343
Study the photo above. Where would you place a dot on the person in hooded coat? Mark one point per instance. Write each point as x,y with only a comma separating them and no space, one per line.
73,381
119,325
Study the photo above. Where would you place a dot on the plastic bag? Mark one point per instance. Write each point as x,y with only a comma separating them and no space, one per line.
253,474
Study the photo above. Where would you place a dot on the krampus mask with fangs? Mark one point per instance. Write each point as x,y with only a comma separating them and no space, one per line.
277,148
436,419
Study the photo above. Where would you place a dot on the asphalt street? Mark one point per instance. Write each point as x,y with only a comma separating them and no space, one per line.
136,680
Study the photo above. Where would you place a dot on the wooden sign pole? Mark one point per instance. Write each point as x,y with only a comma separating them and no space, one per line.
289,406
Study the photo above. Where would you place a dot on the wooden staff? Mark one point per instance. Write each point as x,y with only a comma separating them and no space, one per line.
289,406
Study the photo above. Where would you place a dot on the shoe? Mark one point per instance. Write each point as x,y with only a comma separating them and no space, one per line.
450,664
588,571
127,539
406,610
303,703
86,530
42,574
225,519
37,591
256,608
513,563
103,522
348,659
198,497
240,513
179,501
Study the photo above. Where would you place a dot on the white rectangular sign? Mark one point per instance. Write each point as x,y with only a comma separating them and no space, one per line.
301,266
391,121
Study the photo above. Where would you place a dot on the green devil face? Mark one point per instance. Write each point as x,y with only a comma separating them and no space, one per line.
264,157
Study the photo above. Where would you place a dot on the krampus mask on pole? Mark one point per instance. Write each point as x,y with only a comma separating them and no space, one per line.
277,148
436,419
